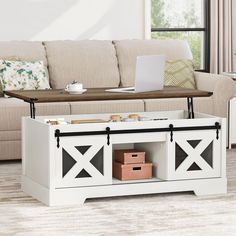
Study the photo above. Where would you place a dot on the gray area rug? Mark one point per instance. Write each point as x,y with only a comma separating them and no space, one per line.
160,214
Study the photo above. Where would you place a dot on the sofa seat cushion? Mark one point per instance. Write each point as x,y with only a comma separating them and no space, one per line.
202,105
128,50
92,63
107,106
11,135
12,109
10,150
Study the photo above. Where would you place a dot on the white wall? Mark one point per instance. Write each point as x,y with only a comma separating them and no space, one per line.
71,19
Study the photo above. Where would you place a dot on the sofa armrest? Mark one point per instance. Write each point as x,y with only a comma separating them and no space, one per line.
223,89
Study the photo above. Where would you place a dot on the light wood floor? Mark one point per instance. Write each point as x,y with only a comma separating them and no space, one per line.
160,214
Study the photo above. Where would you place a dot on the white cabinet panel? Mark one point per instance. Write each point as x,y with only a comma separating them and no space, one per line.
232,122
83,161
194,155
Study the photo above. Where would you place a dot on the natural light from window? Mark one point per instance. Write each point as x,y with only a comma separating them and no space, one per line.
181,19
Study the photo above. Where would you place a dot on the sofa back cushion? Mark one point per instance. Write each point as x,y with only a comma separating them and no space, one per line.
90,62
128,50
23,51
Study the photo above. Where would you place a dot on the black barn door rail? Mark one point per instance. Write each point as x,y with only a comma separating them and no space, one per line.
109,132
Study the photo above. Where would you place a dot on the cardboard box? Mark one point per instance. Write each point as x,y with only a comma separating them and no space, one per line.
129,156
132,171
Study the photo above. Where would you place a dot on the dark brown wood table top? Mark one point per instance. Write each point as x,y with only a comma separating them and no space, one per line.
98,94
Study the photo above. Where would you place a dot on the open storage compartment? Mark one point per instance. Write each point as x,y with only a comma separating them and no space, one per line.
154,150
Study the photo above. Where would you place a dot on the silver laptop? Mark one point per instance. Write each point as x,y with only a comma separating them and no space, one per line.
149,75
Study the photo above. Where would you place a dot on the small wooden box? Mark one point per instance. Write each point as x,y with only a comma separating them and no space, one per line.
129,156
132,171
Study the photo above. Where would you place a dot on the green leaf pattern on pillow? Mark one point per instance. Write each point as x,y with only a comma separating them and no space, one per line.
180,73
23,75
1,92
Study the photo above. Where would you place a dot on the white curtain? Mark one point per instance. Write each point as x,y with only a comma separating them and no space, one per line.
221,36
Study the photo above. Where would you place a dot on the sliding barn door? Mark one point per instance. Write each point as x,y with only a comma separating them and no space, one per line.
193,155
83,161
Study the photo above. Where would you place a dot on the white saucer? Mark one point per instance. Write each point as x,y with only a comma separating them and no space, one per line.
76,92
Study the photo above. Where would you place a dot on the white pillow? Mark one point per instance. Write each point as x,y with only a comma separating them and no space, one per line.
23,75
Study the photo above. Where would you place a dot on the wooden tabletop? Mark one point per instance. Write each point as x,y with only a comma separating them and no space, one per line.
98,94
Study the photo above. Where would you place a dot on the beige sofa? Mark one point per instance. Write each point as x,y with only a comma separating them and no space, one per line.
99,64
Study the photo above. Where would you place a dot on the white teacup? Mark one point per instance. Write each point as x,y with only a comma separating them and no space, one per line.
74,87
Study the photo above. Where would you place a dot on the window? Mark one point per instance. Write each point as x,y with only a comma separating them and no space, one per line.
184,19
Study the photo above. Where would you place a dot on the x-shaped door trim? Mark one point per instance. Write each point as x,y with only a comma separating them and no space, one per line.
82,161
194,155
